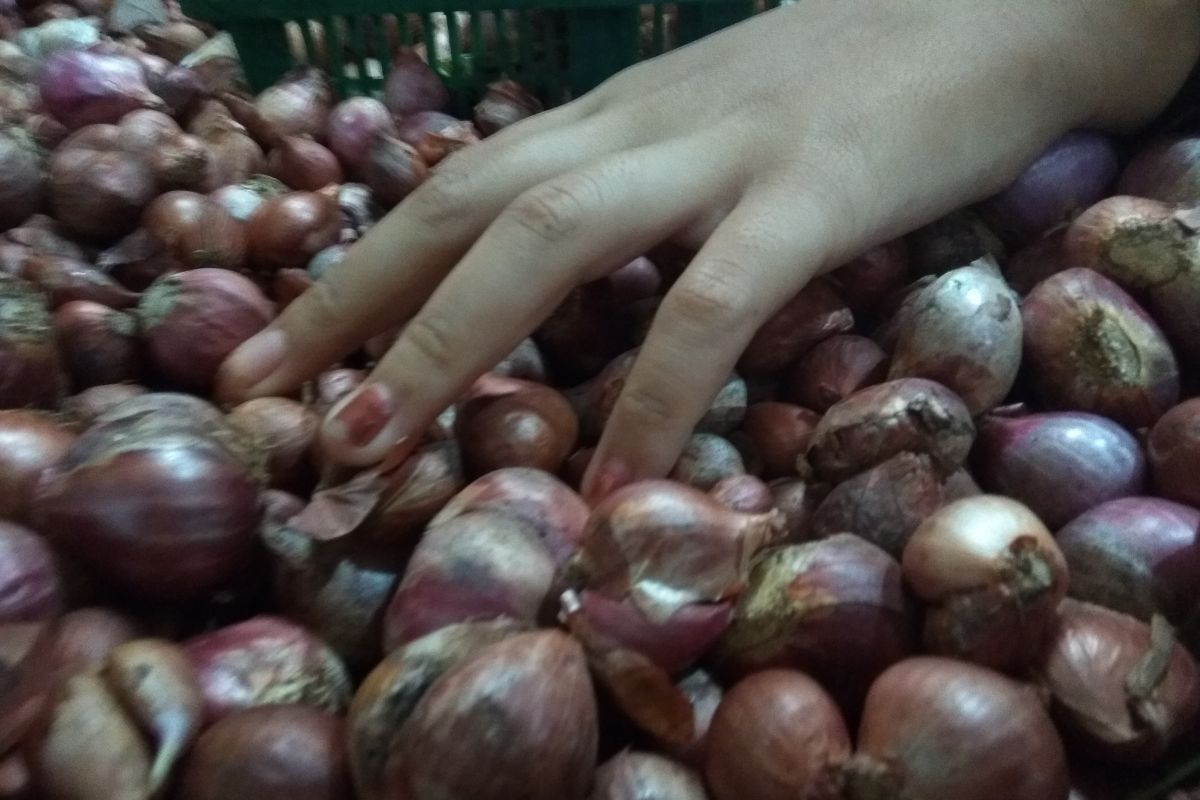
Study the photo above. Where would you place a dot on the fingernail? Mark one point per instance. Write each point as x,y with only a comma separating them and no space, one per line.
606,479
362,415
254,361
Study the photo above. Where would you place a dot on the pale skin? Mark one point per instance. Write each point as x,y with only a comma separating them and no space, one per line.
786,145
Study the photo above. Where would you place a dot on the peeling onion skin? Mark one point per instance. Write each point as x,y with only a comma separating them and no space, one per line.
816,312
776,736
836,609
1090,347
964,331
876,423
836,368
388,695
521,712
266,661
992,576
1122,691
475,567
1137,555
941,729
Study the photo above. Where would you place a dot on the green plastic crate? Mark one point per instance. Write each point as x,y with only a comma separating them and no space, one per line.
559,49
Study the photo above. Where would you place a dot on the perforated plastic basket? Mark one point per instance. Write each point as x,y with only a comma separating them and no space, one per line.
558,49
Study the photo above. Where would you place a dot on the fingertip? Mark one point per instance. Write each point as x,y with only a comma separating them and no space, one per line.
364,428
605,475
247,368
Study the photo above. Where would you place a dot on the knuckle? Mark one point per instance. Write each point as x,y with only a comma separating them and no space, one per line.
430,338
323,306
443,199
714,299
648,406
556,210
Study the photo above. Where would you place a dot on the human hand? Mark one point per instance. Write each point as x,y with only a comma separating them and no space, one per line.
791,143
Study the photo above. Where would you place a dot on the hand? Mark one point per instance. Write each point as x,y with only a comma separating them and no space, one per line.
796,140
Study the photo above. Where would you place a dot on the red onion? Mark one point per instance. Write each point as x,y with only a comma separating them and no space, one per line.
30,587
21,181
1122,688
288,231
1139,555
241,200
142,131
196,231
155,497
412,86
182,162
90,404
940,729
26,650
834,369
868,279
157,687
137,260
285,431
505,422
876,423
266,661
673,642
41,234
964,331
193,320
278,753
64,280
99,345
30,374
884,504
389,694
392,170
88,748
303,164
667,546
815,313
1090,347
338,590
99,194
704,695
30,441
1032,264
298,105
1059,464
745,494
776,736
993,578
835,608
332,386
1174,450
1069,175
81,88
779,433
797,500
86,637
436,135
956,240
707,459
534,497
520,713
353,125
505,103
16,780
524,362
179,87
1147,247
479,565
172,40
233,155
638,776
579,338
1165,171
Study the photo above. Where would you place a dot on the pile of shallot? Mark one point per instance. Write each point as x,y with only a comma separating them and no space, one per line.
938,538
